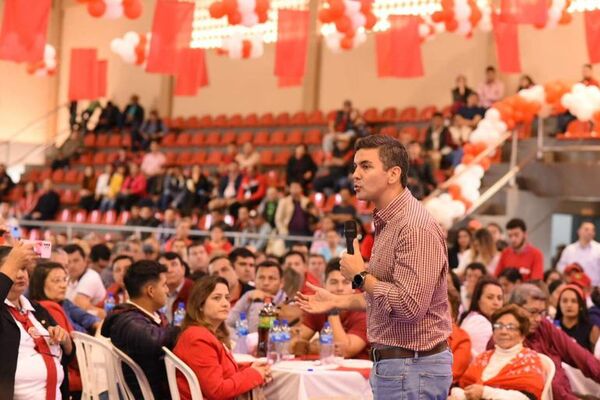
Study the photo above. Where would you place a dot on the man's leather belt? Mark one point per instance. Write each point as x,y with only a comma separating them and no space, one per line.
388,353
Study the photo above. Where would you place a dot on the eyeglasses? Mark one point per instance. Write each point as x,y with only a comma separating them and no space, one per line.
535,313
509,327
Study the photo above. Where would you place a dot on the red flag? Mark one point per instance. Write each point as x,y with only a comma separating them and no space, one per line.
191,72
171,32
399,49
292,46
592,35
82,74
24,30
101,73
507,46
533,12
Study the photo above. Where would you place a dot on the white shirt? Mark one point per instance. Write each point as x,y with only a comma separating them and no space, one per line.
90,285
31,373
155,317
479,329
586,256
466,258
171,297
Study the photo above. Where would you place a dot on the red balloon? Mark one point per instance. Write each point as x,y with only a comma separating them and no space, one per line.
140,55
31,68
246,48
366,6
566,18
343,24
468,148
437,16
454,191
371,20
451,25
485,163
235,18
230,6
133,9
263,16
336,8
346,43
96,8
261,6
467,158
325,15
222,52
217,10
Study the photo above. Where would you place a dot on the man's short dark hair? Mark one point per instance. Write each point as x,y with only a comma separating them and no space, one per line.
141,273
490,68
74,248
4,250
511,274
438,114
240,252
122,257
100,252
332,265
590,66
270,264
477,266
294,253
195,244
497,226
516,223
391,153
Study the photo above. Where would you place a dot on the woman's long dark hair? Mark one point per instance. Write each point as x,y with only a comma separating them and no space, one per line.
38,279
583,317
455,245
477,293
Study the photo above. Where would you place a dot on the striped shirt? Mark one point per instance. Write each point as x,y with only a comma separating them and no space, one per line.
409,305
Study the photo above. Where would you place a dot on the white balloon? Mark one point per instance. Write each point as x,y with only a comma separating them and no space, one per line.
492,114
49,52
359,38
470,194
246,6
462,11
113,11
128,54
132,37
115,45
358,20
424,30
333,41
249,19
464,27
258,48
352,7
440,27
445,198
458,208
40,72
50,63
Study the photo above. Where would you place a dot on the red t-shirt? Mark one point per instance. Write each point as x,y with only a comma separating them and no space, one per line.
529,261
354,323
312,279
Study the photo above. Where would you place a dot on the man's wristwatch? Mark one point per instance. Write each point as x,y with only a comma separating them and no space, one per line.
359,280
335,311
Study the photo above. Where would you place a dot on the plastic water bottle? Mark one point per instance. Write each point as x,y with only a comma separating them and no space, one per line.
274,343
326,341
179,314
241,328
285,338
109,303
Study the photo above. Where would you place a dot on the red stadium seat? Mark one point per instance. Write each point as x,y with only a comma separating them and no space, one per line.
123,217
371,115
318,199
266,120
213,138
100,158
318,157
299,118
65,215
114,140
281,158
313,136
58,176
277,138
261,138
331,115
228,137
185,158
250,120
409,114
102,140
389,114
235,121
266,157
45,174
199,158
244,137
167,122
169,139
178,122
171,158
183,140
89,140
191,122
86,159
109,217
294,138
80,217
214,158
427,113
389,130
95,217
316,118
220,121
205,122
198,139
413,131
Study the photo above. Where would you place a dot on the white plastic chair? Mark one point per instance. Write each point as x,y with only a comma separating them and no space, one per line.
94,356
174,364
122,358
549,370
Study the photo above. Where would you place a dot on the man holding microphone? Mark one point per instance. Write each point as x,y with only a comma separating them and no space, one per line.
405,283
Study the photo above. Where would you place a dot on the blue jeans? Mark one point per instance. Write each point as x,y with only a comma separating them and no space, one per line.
422,378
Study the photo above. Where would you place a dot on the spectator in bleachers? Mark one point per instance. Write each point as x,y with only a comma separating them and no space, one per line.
268,207
109,200
155,187
471,112
153,161
123,158
344,119
337,167
6,182
521,254
230,155
460,92
269,283
198,260
221,267
205,347
421,181
252,190
459,248
217,242
99,257
85,288
316,266
345,210
71,148
525,82
102,184
349,327
134,215
198,191
297,261
509,279
182,233
300,167
497,235
552,275
549,340
483,250
241,222
138,329
248,158
492,89
510,371
28,201
459,130
256,225
459,340
326,224
117,289
439,145
47,205
587,75
33,366
151,130
487,299
179,286
169,221
573,318
473,273
133,115
147,218
109,119
87,198
554,289
174,189
595,309
244,264
291,217
133,188
229,185
585,252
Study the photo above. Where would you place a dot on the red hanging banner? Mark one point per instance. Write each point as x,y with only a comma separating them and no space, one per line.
24,30
399,49
533,12
292,46
101,78
83,75
507,46
171,33
592,35
191,72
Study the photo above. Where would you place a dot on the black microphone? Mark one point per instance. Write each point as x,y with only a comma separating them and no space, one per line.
350,234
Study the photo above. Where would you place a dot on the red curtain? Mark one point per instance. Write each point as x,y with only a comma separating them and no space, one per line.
171,33
399,49
87,75
191,72
292,46
24,30
506,35
592,35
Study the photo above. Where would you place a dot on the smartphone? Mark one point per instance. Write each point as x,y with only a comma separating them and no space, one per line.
42,248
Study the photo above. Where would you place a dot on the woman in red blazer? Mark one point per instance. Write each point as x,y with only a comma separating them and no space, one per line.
204,346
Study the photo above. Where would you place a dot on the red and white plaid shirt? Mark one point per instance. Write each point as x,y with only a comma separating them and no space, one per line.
409,306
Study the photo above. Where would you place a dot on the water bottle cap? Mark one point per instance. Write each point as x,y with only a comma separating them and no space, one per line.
284,322
326,325
181,304
276,322
242,315
111,296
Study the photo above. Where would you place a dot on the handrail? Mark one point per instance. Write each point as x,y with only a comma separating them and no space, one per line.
69,227
41,147
32,123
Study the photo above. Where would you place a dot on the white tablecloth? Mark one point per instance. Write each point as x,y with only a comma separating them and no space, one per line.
294,381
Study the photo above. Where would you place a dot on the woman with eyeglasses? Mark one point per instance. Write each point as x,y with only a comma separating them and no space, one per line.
573,318
510,371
